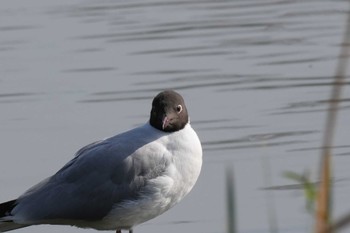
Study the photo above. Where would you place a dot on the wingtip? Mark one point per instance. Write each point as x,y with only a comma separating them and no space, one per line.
5,213
6,208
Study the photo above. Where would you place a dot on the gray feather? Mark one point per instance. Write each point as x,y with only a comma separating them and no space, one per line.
100,176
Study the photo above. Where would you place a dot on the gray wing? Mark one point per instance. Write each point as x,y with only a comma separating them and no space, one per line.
101,175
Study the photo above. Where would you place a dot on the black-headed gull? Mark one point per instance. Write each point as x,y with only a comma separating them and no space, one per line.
119,182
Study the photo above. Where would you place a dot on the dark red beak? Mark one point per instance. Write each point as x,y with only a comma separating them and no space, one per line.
165,122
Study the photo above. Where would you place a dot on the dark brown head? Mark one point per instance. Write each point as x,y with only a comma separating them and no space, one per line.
169,112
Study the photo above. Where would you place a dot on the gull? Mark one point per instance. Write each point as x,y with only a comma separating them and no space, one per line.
119,182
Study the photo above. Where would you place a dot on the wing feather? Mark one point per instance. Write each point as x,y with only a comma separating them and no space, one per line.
100,176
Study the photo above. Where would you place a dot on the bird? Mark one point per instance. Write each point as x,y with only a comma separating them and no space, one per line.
119,182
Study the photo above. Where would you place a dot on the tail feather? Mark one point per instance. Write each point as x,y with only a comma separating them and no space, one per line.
5,213
9,226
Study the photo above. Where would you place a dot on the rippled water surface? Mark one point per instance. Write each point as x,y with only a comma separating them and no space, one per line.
256,76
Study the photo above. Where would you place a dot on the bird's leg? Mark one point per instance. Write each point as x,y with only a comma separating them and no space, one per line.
120,231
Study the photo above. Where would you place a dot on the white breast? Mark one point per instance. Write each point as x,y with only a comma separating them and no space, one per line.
184,152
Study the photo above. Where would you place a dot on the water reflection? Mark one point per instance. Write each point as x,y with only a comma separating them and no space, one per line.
18,97
257,141
96,69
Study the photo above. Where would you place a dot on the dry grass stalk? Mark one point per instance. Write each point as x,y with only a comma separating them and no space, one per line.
323,199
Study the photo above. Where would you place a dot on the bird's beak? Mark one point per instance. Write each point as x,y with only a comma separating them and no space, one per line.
165,122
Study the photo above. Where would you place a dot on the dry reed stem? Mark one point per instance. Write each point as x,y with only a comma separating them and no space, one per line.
324,191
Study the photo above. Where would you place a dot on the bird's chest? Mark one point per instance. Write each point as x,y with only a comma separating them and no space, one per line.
169,168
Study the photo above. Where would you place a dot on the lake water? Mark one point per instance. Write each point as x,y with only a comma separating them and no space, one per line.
256,76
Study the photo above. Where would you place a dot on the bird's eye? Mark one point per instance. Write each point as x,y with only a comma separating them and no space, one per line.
179,108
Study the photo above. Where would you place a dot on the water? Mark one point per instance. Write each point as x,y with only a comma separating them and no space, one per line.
255,74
